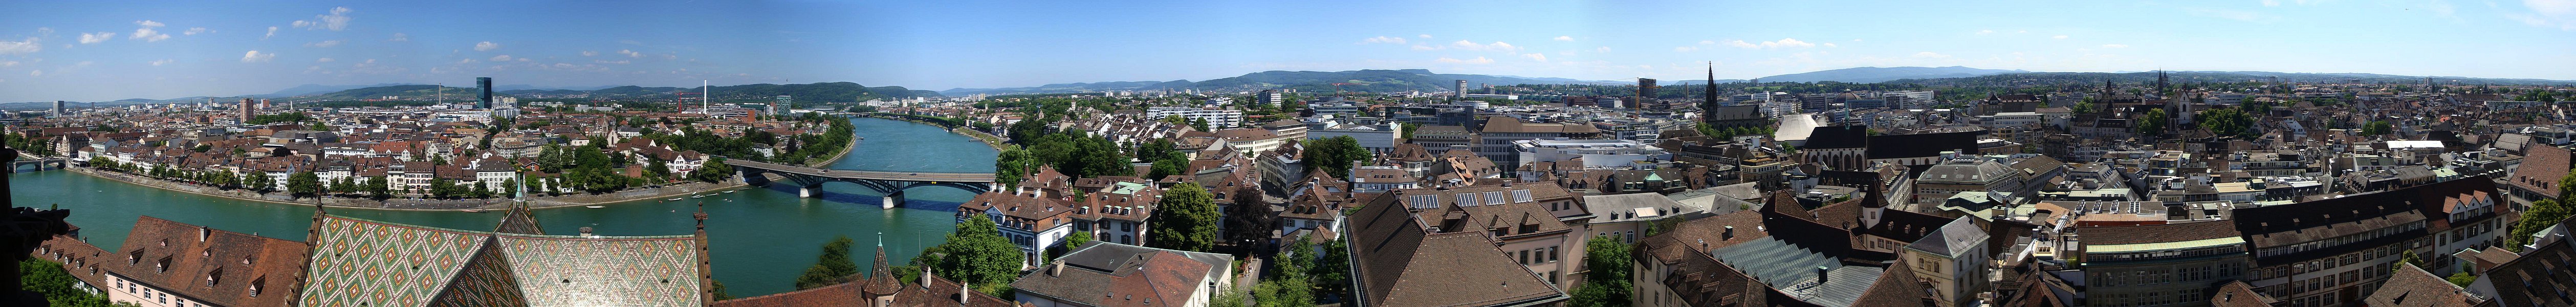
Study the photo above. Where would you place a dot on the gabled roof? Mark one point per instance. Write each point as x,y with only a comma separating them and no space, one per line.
520,220
2411,286
1401,263
1953,239
386,264
193,253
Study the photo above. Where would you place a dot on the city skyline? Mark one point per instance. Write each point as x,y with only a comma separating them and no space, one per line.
64,51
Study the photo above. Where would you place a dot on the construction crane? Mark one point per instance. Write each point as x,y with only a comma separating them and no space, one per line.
682,105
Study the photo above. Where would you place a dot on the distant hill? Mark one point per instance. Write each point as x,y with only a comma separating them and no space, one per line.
1884,74
1372,80
314,89
820,92
2180,77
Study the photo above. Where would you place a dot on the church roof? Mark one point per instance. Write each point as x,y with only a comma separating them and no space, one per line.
520,221
389,264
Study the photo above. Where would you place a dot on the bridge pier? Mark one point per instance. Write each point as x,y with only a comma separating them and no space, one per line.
892,199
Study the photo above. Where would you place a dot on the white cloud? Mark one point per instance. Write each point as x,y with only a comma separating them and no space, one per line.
630,53
147,34
1685,49
36,73
399,37
2115,46
93,38
1829,45
254,57
1708,42
1984,32
161,61
1565,38
326,60
21,47
272,32
1782,43
1477,60
323,44
610,62
501,58
1496,46
1421,47
1602,49
2300,2
2058,37
1383,39
1930,55
1426,36
8,63
2548,13
486,46
1535,56
589,53
337,20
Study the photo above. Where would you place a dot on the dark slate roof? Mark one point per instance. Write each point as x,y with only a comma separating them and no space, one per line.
520,220
1920,145
1957,237
2175,232
1832,137
2537,279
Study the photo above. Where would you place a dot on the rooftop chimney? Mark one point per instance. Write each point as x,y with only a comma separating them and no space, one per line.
1057,270
585,231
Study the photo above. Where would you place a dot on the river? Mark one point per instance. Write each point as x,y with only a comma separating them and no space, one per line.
762,238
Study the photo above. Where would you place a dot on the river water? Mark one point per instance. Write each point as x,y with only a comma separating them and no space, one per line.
762,238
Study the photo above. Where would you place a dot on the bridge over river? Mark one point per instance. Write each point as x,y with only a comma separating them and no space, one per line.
891,183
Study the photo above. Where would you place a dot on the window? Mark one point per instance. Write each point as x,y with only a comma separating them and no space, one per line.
1552,254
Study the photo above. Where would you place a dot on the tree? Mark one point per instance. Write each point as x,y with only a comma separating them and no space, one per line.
258,180
50,279
2378,127
657,170
1334,155
304,184
715,170
1227,296
510,187
2153,122
2227,122
1332,273
2543,214
1010,165
833,267
378,188
1185,219
1606,263
977,253
1077,239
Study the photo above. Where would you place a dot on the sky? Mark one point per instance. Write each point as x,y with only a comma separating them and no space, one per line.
86,51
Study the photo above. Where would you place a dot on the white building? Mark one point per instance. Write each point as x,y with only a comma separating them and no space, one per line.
1379,139
1216,118
1595,153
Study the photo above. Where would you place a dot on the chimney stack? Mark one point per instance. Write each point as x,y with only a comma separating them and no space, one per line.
1057,269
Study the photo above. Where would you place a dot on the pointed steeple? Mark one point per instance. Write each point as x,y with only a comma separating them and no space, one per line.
881,281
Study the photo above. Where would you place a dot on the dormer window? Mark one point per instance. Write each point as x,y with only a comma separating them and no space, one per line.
214,277
135,257
258,284
162,266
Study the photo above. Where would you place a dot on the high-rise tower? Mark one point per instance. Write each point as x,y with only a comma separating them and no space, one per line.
246,109
484,85
1462,90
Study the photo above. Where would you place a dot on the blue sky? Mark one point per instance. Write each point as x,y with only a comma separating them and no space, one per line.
83,51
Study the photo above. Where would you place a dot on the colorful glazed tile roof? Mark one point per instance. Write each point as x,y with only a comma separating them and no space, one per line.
383,264
604,271
386,264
